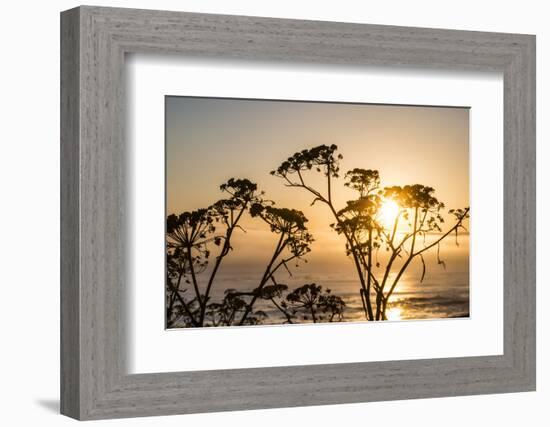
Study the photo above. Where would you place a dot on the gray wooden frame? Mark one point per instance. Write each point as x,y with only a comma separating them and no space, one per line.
94,42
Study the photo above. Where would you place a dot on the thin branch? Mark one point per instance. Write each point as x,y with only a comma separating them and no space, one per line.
225,250
181,300
193,276
458,224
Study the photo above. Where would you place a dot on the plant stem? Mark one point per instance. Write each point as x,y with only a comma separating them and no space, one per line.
223,253
267,274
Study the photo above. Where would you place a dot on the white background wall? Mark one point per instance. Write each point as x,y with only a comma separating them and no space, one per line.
29,211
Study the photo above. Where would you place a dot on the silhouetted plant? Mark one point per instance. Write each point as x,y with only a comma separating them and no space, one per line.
307,302
189,236
292,245
229,212
359,220
422,212
310,302
325,160
232,307
275,294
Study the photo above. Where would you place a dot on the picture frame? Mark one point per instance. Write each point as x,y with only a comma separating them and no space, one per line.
94,381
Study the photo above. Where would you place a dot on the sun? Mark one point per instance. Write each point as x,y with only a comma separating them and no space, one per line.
388,212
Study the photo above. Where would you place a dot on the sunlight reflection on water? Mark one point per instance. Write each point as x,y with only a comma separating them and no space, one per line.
443,294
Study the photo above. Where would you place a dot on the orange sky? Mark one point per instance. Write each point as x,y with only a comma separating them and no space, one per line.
209,140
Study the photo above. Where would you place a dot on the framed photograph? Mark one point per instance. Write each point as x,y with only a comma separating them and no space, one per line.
262,213
307,242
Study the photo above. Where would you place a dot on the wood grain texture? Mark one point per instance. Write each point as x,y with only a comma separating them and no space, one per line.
70,297
94,271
